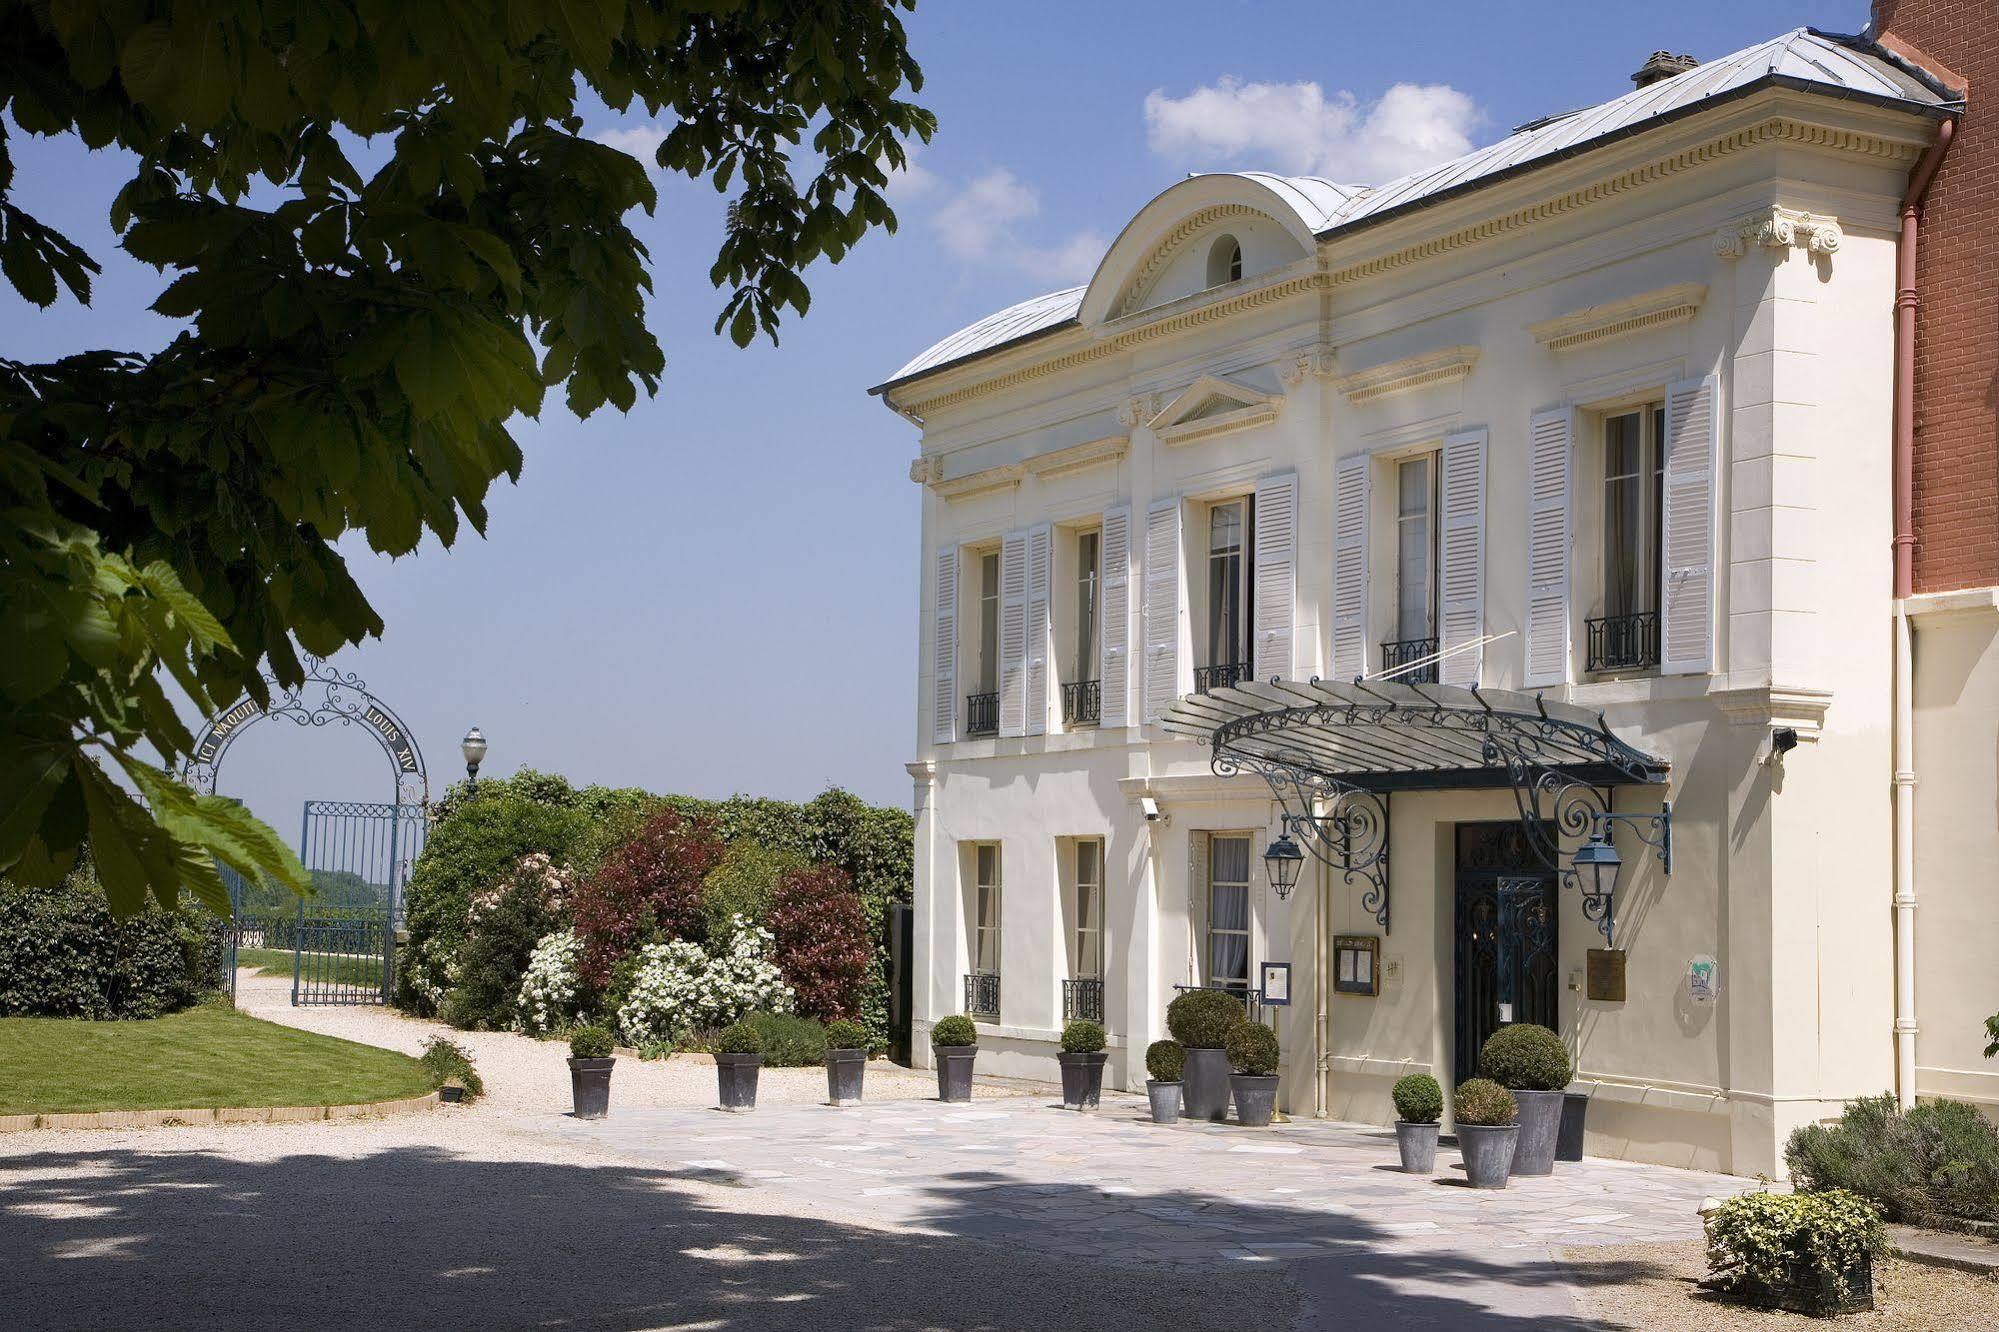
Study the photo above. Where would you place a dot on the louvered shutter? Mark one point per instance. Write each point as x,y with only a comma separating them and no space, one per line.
1350,653
1040,552
1461,557
1550,450
944,649
1013,635
1162,608
1686,619
1276,574
1115,691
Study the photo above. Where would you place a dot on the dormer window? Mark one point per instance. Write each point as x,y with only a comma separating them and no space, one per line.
1224,261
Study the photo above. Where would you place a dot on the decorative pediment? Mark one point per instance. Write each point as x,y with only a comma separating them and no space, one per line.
1614,319
1212,406
1411,372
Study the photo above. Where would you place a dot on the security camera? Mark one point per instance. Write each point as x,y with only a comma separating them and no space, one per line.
1150,808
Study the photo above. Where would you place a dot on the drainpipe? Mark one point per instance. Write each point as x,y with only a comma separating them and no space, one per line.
1907,303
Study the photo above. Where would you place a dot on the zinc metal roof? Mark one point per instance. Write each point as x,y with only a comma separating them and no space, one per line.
1802,58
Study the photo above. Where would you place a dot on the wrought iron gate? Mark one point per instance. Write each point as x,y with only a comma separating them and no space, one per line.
1506,938
357,856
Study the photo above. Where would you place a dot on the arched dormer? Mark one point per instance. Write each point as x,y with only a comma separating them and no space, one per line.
1206,232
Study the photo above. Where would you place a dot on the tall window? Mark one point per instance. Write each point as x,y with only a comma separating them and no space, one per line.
986,909
1632,460
1224,261
1086,959
1089,561
1229,534
1416,548
1228,911
989,608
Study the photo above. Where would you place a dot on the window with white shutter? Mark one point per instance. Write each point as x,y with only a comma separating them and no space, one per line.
1461,557
1115,623
1550,449
1350,479
1276,574
1013,635
1040,556
1162,608
944,649
1686,629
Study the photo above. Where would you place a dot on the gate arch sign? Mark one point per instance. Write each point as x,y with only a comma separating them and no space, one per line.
326,696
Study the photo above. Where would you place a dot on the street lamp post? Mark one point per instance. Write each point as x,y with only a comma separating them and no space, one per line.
473,747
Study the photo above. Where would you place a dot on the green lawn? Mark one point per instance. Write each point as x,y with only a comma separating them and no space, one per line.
327,968
209,1055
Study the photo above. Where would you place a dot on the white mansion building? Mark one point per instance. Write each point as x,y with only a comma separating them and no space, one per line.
1428,523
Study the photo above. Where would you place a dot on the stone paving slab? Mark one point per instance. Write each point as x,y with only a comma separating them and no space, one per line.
1115,1187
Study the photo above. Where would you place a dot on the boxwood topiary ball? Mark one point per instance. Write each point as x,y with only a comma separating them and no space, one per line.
1253,1050
1418,1099
743,1037
1526,1058
954,1030
1203,1019
845,1034
590,1043
1083,1037
1165,1061
1483,1103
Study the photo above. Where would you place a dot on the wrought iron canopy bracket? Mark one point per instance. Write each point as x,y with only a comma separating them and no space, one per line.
1344,826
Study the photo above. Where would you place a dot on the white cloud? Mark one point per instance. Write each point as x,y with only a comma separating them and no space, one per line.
641,141
913,181
1296,127
981,224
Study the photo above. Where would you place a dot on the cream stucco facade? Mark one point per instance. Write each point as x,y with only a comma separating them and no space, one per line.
1741,250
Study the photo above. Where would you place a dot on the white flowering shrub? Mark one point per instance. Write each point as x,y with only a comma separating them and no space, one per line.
679,988
549,989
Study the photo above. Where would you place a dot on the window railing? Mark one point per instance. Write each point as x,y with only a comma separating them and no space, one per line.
1082,702
1404,651
1207,678
1083,998
982,714
1624,642
982,994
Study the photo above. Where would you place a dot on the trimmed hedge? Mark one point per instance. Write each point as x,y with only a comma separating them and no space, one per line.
1418,1099
1165,1060
1203,1019
62,954
1525,1057
591,1042
1252,1050
842,1034
1936,1165
1483,1103
740,1038
954,1030
789,1041
1754,1238
1083,1036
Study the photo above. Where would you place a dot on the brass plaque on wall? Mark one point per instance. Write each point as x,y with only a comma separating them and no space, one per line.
1605,975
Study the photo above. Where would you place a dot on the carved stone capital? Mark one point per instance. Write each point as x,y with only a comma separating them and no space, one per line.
1313,363
1779,229
924,471
1138,409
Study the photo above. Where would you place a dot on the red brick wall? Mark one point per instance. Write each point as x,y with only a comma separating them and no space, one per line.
1957,274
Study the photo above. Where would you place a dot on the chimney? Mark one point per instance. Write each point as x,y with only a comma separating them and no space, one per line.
1662,65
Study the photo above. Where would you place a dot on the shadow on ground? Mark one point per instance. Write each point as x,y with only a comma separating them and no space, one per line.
419,1238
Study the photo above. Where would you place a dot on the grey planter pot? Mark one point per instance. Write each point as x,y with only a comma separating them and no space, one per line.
1488,1153
1540,1125
1418,1144
1204,1091
736,1080
844,1071
1569,1142
451,1095
1165,1098
590,1086
1255,1098
1082,1078
954,1071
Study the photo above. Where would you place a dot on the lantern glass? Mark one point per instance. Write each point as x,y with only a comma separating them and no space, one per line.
473,747
1282,861
1597,863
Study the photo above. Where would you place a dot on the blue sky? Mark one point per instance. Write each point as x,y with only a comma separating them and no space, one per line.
718,592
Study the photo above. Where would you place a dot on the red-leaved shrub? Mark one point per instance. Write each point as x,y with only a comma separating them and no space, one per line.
648,889
822,943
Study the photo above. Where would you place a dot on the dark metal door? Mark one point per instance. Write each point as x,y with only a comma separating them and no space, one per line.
901,979
1506,939
357,856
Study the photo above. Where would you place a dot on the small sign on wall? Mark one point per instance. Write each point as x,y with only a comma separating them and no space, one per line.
1357,964
1604,975
1703,979
1274,981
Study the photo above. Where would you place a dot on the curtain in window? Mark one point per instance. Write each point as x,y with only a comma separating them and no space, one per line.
1228,912
1623,516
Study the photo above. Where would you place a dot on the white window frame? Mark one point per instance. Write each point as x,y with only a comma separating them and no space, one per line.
984,893
988,619
1650,479
1248,929
1086,940
1088,591
1242,650
1430,459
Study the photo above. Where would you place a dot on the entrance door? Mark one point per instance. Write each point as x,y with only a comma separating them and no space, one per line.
1506,938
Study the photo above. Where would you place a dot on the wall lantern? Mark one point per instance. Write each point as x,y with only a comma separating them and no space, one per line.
473,747
1282,861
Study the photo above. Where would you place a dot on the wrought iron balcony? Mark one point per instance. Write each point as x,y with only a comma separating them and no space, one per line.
1207,678
1624,642
1083,998
982,714
1082,703
1404,651
982,994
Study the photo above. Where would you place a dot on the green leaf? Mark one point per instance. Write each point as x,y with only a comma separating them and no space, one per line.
132,856
30,776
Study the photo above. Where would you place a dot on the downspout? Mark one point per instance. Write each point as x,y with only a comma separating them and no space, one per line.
1907,304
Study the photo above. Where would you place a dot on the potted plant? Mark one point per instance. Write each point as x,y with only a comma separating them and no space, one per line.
846,1061
1201,1021
1533,1064
1419,1103
1811,1253
1253,1054
955,1042
1082,1061
739,1053
590,1064
1165,1061
451,1091
1488,1126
